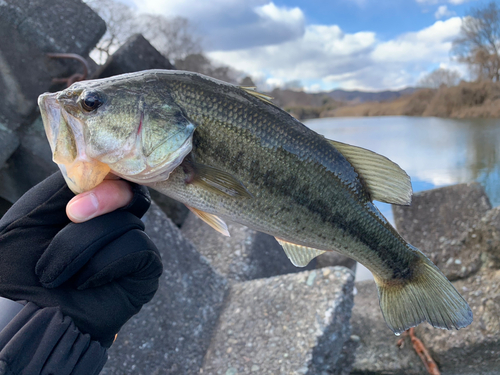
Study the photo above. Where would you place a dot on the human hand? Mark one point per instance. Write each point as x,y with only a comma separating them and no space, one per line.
99,272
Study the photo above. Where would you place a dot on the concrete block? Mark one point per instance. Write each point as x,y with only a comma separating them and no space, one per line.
134,55
484,239
246,255
475,349
468,351
28,165
288,324
377,352
9,141
30,29
171,334
437,223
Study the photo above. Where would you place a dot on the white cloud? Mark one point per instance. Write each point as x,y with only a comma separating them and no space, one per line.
431,44
443,12
321,51
233,24
432,2
326,55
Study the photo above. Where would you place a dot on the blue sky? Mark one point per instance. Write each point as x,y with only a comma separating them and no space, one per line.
351,44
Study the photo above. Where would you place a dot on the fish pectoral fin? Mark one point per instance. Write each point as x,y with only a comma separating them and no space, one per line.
384,179
214,221
299,255
426,295
218,181
252,91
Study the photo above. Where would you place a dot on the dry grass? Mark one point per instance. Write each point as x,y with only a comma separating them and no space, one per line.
467,100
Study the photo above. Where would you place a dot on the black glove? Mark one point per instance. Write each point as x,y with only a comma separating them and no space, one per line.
99,272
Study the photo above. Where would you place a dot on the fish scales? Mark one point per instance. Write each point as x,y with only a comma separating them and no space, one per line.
229,154
256,152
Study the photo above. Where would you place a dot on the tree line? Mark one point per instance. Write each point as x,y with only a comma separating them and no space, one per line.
477,46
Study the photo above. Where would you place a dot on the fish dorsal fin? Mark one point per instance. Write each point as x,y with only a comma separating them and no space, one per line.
384,179
214,221
217,181
299,255
252,91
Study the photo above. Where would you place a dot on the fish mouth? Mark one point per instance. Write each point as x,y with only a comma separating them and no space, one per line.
65,137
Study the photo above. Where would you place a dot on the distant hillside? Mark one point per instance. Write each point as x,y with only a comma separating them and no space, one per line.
305,105
367,96
467,100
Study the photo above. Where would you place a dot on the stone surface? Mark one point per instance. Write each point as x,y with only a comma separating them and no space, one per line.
9,141
484,239
30,29
176,211
474,349
377,352
246,255
288,324
29,164
438,221
134,55
171,334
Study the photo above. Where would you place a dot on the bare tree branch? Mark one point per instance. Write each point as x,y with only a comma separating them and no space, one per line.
440,77
479,42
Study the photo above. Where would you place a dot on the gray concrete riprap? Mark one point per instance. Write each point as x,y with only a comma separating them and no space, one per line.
9,141
438,221
484,239
29,30
28,165
476,348
377,352
171,334
288,324
462,234
134,55
246,255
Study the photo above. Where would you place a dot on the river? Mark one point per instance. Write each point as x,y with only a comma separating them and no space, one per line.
433,151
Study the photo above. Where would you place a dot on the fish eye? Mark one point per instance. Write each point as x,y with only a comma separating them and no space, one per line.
91,101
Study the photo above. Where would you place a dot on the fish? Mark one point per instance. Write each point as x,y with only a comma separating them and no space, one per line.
229,154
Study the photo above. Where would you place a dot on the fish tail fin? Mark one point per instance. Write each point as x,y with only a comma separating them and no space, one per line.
426,295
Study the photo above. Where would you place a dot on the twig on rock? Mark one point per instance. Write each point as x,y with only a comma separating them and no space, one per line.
421,350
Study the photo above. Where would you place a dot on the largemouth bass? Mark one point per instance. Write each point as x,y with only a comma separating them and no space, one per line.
229,154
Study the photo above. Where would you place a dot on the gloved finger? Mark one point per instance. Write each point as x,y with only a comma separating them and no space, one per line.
141,200
108,196
42,205
75,244
132,260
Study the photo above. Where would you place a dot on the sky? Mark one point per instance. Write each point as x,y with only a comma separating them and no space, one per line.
368,45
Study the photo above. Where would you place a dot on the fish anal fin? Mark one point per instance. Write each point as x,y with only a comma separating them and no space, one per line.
214,221
252,91
426,295
384,179
299,255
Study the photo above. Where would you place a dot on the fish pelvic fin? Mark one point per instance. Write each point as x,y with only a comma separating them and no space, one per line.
214,221
426,296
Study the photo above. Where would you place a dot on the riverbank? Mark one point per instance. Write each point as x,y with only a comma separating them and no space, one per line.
467,100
